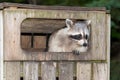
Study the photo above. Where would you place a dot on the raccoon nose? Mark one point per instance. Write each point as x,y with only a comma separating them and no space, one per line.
85,44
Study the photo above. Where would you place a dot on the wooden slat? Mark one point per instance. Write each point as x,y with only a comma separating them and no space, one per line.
30,70
108,21
35,25
25,41
39,42
4,5
12,70
100,71
97,35
48,70
12,42
66,71
48,56
84,71
1,45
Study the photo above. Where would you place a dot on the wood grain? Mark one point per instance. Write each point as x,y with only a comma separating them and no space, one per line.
83,71
1,45
48,70
37,25
39,42
97,35
26,41
96,52
100,71
108,18
66,71
30,70
12,70
14,18
29,6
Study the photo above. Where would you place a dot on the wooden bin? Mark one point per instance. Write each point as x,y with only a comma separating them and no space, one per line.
24,32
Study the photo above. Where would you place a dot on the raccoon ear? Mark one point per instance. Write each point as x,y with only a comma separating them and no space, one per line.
69,23
88,22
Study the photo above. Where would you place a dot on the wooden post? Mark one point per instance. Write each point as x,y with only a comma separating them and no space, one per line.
108,19
1,45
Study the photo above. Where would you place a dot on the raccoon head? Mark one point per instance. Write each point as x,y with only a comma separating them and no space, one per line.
78,33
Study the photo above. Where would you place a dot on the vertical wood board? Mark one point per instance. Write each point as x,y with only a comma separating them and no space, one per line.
30,70
48,70
100,71
25,41
12,70
108,28
12,26
97,35
1,45
39,42
83,71
66,71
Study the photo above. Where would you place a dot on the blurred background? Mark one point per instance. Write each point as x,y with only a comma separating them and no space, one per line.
112,5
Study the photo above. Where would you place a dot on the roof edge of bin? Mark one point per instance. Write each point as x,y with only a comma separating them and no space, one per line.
30,6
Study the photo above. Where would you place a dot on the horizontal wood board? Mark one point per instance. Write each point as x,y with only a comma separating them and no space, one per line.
30,6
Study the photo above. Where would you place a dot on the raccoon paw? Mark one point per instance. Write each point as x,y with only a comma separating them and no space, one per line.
76,52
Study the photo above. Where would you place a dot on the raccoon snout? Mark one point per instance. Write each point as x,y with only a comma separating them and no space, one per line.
85,44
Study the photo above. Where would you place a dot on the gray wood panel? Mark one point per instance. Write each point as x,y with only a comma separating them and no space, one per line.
84,71
11,70
100,71
1,45
66,70
29,6
30,70
48,70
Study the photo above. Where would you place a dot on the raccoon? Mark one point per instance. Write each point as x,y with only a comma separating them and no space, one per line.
73,38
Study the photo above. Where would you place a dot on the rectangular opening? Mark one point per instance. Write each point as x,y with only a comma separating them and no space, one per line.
35,32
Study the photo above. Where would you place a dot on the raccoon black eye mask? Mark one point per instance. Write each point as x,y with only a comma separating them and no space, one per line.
78,37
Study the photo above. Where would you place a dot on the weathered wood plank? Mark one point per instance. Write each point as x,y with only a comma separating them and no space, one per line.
12,27
84,71
36,55
100,71
25,41
39,42
1,45
48,70
12,70
108,28
36,25
30,70
66,71
97,37
29,6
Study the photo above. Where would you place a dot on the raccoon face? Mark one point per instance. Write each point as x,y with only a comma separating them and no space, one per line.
81,39
79,34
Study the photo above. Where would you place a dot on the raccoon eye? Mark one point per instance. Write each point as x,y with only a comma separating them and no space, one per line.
86,36
77,37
